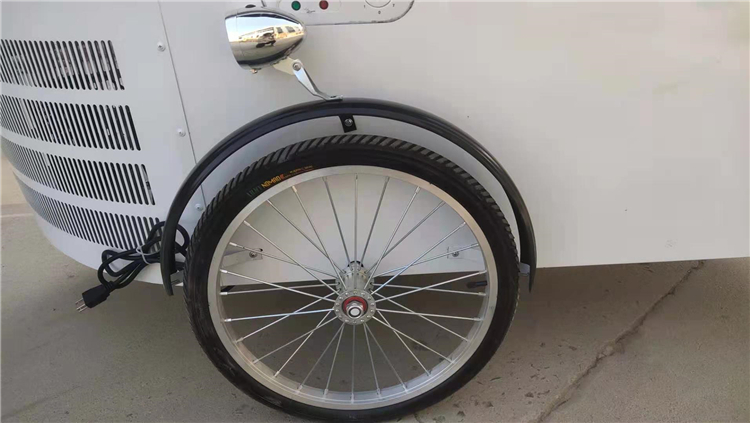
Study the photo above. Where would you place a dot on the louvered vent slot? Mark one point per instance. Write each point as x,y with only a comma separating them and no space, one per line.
82,125
120,182
109,229
72,65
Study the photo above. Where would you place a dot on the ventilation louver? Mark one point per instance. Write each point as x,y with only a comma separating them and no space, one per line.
108,229
72,65
119,182
82,125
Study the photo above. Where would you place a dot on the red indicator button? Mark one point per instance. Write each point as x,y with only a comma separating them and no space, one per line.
323,4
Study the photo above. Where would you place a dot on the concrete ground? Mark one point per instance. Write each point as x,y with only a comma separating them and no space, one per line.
643,342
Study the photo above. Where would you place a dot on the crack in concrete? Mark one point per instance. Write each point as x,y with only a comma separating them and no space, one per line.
611,347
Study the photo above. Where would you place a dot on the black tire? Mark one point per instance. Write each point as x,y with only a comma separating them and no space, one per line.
335,151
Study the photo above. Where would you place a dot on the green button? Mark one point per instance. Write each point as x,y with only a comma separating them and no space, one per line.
296,5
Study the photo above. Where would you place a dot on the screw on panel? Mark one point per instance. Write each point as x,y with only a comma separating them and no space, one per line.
296,66
199,207
348,122
181,132
160,46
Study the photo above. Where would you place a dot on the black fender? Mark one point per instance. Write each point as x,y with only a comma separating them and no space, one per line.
347,107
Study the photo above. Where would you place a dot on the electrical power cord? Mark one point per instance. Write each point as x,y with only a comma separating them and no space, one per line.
139,258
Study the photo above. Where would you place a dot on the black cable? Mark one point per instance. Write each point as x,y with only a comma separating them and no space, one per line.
139,258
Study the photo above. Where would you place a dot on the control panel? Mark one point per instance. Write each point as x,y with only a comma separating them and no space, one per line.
338,12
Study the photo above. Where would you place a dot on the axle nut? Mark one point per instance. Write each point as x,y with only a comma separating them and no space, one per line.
355,307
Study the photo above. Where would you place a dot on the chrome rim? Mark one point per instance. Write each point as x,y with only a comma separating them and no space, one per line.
401,274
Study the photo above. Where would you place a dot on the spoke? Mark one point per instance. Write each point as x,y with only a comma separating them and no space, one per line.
382,193
288,256
296,313
336,216
403,215
448,291
322,251
282,287
260,252
420,257
414,228
411,339
333,363
403,385
296,339
354,340
402,341
317,235
341,328
423,316
372,362
317,285
279,320
468,247
302,344
473,319
432,286
356,183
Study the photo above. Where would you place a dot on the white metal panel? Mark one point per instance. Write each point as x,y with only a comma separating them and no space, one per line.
151,89
150,92
625,126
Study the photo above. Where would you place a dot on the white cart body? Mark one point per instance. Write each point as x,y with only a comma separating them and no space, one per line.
625,126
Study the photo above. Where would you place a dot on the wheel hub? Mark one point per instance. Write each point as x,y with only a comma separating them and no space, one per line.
355,276
355,307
